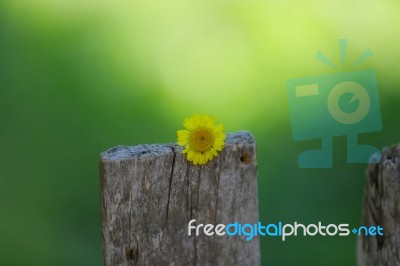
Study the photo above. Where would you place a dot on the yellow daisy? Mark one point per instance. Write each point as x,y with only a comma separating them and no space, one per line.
202,138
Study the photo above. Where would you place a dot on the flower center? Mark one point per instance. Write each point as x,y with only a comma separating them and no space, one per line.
201,139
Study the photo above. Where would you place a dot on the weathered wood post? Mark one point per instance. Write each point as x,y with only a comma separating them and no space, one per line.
149,193
382,207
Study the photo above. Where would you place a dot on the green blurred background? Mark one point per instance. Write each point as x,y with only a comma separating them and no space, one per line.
79,77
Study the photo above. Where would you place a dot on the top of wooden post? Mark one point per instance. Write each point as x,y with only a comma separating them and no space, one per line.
122,152
149,194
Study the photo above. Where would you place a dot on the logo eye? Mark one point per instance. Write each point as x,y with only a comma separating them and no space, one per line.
349,102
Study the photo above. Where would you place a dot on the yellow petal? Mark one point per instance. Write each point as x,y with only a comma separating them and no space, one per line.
187,148
201,159
183,134
182,142
209,155
220,134
219,128
190,155
191,123
218,147
219,141
204,158
210,122
195,158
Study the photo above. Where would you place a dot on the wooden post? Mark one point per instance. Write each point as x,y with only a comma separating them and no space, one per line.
149,193
382,207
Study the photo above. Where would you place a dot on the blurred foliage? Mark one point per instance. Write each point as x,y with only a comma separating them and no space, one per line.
78,77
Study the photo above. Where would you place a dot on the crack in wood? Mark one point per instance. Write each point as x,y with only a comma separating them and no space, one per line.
170,181
148,198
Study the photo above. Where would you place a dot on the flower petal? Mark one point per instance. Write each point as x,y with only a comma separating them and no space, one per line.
201,159
209,155
190,155
195,158
187,148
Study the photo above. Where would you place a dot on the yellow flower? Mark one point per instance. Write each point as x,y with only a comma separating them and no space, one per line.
202,138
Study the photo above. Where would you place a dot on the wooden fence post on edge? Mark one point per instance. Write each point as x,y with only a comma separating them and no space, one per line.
149,193
382,207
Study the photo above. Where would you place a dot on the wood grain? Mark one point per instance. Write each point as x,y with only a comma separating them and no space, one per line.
149,193
382,207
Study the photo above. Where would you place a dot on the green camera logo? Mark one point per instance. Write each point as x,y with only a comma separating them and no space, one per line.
340,104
